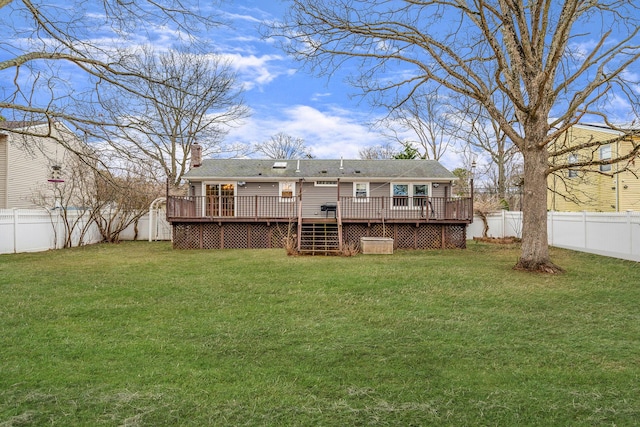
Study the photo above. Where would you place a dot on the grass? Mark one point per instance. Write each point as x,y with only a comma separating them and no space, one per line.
140,334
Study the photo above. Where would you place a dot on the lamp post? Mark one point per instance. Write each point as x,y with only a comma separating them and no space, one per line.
56,178
473,173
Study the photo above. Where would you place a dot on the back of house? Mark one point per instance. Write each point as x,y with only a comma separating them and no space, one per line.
358,197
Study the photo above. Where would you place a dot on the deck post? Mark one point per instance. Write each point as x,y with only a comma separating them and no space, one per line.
339,218
255,207
299,236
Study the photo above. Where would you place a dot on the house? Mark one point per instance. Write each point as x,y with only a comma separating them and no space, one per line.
32,162
319,204
596,188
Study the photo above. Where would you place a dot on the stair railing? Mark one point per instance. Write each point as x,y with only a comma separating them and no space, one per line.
339,219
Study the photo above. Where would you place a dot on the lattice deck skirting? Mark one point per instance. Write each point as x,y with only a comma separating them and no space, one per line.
261,235
234,235
408,236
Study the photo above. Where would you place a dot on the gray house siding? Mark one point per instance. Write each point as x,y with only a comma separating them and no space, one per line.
313,197
379,189
258,189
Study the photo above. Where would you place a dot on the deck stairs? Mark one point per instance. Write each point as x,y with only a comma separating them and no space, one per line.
320,238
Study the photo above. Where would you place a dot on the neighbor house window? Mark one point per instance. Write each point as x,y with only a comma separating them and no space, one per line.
361,191
605,154
287,191
573,158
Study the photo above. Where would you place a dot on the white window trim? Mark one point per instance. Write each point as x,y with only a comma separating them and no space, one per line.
605,168
361,199
327,183
409,193
203,191
571,159
293,191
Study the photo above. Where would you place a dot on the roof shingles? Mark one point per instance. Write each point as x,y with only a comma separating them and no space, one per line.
320,169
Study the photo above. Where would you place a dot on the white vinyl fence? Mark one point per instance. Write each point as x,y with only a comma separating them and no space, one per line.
610,234
35,230
615,234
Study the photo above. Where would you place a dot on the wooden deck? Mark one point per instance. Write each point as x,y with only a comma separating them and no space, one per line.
268,209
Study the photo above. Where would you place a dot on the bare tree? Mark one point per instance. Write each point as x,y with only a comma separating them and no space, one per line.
283,146
58,61
483,205
121,201
554,62
424,123
71,200
463,184
378,152
484,137
189,97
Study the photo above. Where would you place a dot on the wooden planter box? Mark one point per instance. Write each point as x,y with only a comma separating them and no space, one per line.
376,245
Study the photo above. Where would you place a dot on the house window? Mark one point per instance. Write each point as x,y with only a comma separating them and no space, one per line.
409,195
287,191
400,194
605,154
420,194
573,158
326,183
361,191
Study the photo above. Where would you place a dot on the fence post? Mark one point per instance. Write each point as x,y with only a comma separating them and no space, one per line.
584,227
15,230
630,232
56,232
550,224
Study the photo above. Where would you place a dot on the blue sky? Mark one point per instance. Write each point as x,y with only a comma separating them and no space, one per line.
280,96
283,97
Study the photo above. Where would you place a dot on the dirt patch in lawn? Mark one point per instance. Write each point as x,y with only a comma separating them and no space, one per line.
499,240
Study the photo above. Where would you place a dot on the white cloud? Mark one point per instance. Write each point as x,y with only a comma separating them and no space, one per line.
330,134
318,96
256,70
242,17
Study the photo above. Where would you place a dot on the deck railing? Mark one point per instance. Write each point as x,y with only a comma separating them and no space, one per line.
351,208
406,208
256,207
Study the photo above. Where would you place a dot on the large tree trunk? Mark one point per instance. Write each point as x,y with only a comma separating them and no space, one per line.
535,246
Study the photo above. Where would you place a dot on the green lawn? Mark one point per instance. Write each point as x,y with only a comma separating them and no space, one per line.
140,334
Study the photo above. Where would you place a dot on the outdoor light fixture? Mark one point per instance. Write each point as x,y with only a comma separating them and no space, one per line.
55,174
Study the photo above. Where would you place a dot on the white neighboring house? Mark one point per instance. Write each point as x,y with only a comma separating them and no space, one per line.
31,160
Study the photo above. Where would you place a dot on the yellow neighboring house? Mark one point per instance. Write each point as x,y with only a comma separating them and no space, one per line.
31,164
601,189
